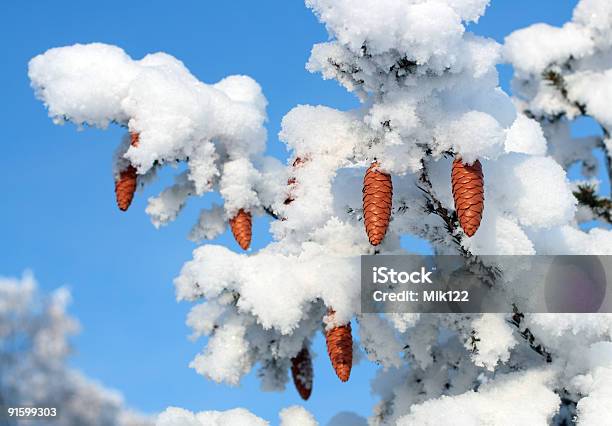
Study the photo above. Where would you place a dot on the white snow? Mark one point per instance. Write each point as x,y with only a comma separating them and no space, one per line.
290,416
174,416
296,416
532,49
525,136
518,398
496,340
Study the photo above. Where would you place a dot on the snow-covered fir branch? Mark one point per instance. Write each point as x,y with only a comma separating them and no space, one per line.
432,113
563,74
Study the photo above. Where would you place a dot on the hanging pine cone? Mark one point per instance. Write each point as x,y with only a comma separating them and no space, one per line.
340,349
301,371
241,225
125,185
468,192
134,139
377,200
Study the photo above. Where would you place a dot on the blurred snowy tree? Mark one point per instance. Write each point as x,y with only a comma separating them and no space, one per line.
34,348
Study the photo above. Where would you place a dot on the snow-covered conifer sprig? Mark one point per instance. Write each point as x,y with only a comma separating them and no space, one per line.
217,130
429,89
563,73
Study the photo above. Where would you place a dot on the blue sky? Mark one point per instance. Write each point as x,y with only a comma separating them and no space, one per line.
58,215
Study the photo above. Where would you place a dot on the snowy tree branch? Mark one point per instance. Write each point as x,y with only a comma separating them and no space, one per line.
600,206
525,333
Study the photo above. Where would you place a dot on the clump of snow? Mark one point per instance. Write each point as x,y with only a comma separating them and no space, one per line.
296,416
475,134
236,186
535,190
290,416
174,416
533,48
569,240
84,83
526,136
378,340
236,360
166,206
596,385
211,223
595,15
262,280
423,30
156,96
495,340
518,398
593,89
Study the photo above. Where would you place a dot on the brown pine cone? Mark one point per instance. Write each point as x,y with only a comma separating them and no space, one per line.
377,200
340,349
134,139
468,192
301,371
125,185
241,228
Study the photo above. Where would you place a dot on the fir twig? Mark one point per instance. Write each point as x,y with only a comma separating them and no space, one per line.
271,212
433,205
516,320
600,206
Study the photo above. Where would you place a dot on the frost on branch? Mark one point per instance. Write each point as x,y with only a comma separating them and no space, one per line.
34,348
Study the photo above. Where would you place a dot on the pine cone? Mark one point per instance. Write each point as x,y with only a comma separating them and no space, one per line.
468,192
241,225
125,186
340,349
134,139
301,371
377,200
